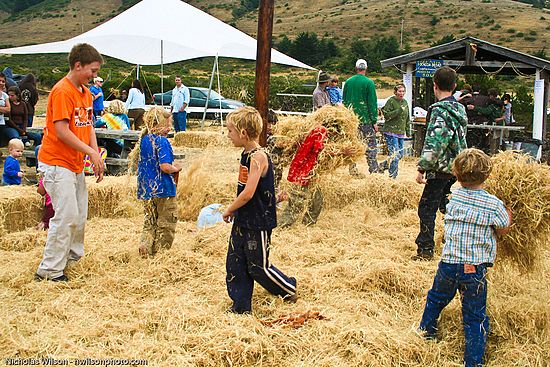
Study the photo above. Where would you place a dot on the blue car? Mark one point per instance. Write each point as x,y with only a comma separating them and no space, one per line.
198,99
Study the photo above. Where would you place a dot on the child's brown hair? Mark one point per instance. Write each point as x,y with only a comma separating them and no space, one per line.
247,119
84,53
472,166
445,78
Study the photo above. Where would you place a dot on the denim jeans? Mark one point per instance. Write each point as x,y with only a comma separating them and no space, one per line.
180,121
395,149
35,137
368,136
449,279
434,194
7,133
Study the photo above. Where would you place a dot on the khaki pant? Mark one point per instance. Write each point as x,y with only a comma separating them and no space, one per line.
302,199
66,234
159,224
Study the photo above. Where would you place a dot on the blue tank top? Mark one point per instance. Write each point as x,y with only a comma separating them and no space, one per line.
260,212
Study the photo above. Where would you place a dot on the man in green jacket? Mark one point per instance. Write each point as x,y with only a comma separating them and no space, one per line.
397,126
360,96
445,138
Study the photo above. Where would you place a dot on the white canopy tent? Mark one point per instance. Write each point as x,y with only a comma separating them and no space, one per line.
157,32
185,32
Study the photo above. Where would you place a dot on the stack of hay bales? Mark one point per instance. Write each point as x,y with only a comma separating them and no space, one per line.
524,187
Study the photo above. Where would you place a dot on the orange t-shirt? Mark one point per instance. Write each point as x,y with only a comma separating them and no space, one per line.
66,102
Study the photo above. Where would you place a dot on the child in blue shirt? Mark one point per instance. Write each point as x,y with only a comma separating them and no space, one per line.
12,169
334,92
254,216
157,178
473,219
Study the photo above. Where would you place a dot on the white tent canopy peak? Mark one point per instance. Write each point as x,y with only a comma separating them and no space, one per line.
186,33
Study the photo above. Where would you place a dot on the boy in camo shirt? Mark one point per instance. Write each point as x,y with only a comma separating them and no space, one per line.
445,138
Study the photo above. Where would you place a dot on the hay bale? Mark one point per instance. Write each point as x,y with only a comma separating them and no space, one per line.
20,208
523,186
341,125
113,197
200,139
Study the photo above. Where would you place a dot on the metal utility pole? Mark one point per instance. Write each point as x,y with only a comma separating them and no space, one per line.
263,62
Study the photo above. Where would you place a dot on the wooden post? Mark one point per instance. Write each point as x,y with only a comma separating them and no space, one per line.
263,62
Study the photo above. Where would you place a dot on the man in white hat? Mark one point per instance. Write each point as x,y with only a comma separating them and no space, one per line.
360,96
97,95
320,94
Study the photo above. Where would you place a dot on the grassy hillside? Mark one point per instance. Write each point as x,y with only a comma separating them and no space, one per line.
504,22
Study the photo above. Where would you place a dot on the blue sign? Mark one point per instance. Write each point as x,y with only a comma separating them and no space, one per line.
427,68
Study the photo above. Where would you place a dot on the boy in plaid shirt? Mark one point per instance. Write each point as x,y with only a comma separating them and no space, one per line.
474,218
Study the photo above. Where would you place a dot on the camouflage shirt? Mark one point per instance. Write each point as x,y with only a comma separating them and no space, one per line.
445,136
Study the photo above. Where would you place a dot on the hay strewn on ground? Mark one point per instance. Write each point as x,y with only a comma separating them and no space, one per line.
523,186
352,267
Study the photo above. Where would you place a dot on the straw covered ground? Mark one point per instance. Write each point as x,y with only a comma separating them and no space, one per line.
353,268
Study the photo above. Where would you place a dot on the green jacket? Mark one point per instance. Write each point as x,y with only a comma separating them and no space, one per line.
492,111
397,116
360,96
445,136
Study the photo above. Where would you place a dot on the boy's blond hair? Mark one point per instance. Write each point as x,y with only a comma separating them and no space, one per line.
116,107
247,119
472,166
16,144
156,119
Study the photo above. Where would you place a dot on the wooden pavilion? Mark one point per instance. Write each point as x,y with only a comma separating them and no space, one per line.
470,55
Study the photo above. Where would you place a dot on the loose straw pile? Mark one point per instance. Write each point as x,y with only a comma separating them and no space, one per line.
524,187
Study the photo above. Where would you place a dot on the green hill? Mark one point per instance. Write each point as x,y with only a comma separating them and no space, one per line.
418,22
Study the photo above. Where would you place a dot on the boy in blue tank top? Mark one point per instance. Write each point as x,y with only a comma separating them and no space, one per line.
254,216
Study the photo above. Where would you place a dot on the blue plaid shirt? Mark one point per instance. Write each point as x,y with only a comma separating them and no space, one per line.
471,218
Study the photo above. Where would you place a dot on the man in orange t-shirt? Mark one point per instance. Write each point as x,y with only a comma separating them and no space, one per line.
68,136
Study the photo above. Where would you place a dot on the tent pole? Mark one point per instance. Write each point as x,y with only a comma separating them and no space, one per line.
137,72
220,93
162,72
209,90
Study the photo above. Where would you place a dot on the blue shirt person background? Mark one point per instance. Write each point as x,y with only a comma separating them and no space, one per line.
334,92
97,94
178,105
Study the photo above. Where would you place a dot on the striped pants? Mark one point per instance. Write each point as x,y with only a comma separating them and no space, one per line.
248,261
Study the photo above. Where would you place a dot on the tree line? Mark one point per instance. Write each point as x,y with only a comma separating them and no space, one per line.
325,52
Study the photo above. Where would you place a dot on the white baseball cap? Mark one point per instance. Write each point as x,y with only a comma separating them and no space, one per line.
98,79
361,64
